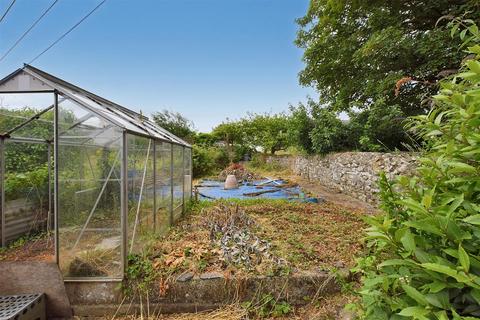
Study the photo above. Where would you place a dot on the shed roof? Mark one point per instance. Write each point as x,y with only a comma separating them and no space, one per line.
31,79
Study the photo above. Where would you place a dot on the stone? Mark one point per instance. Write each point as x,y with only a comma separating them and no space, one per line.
211,275
346,315
184,277
353,173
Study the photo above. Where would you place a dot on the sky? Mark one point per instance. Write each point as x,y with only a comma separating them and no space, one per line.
206,59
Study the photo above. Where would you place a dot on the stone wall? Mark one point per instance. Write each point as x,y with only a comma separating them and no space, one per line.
352,173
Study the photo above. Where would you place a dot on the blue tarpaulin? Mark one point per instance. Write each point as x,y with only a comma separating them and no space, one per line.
277,189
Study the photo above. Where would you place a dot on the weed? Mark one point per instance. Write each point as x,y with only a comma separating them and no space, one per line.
267,307
139,275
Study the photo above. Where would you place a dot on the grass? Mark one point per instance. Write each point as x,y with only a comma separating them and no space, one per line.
325,308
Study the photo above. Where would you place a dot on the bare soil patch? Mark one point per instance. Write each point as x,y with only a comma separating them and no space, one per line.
34,248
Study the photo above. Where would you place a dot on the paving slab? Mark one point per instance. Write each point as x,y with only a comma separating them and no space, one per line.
20,277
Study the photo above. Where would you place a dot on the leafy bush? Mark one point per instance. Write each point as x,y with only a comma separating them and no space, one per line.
208,159
425,261
330,133
20,184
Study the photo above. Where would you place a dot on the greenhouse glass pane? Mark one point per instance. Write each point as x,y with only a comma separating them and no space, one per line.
26,191
89,184
188,174
178,183
163,186
140,192
16,109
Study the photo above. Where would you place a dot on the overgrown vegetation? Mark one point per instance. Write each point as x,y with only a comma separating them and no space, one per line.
276,236
425,253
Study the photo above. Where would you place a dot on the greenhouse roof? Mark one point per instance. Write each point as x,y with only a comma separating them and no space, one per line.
31,80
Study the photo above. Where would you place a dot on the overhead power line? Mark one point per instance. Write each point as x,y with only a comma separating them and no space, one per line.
8,9
28,30
68,31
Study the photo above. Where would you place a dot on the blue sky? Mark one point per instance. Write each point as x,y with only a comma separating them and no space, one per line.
207,59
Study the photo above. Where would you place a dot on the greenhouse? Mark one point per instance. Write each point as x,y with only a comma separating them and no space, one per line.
102,178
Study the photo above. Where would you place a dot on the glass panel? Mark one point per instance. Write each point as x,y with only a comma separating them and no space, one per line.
89,207
177,181
188,174
16,109
26,190
140,192
163,186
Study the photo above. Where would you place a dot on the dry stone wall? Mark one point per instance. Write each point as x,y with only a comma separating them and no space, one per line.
352,173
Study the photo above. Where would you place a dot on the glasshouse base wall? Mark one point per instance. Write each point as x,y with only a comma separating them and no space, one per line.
353,173
196,293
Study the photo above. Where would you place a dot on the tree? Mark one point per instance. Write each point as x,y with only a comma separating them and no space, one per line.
231,133
300,126
357,52
175,123
267,131
329,132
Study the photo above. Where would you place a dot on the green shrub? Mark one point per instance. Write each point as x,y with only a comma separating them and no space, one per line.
425,261
206,160
35,182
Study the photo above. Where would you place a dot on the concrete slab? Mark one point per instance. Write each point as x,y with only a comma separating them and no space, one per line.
21,277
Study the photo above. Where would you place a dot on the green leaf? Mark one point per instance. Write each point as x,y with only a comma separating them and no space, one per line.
435,286
474,66
408,241
397,262
475,219
415,294
475,293
463,258
440,269
413,311
428,225
460,167
439,299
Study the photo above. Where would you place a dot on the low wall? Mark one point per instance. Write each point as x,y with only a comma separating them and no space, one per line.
352,173
207,291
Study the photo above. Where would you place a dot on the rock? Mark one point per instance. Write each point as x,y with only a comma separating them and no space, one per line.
211,275
184,277
346,315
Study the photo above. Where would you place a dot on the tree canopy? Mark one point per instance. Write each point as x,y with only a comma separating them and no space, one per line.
356,51
175,123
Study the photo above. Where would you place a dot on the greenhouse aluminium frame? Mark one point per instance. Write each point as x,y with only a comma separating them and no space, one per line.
125,173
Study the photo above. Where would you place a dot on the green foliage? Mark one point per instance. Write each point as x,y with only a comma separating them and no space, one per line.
230,133
267,307
425,261
300,126
329,133
267,131
206,160
357,52
139,275
20,184
175,123
205,139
